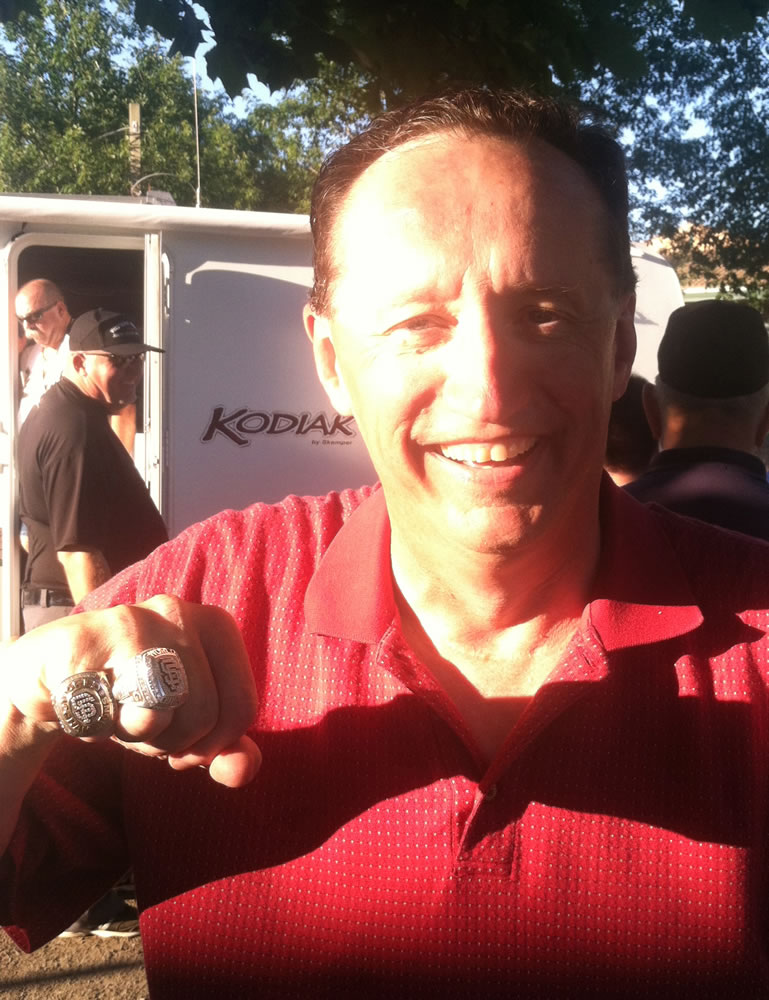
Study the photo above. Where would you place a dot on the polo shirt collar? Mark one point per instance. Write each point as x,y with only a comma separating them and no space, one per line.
641,595
351,592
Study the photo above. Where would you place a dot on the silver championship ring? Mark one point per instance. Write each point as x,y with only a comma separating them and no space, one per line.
84,705
154,678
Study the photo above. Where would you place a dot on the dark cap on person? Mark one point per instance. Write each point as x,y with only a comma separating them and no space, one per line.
714,350
100,330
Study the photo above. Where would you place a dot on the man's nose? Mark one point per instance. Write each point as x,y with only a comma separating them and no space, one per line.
487,368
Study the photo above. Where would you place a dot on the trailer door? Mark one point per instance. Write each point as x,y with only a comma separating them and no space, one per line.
108,269
149,456
10,618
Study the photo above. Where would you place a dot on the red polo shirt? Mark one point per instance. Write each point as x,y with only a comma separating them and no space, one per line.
616,846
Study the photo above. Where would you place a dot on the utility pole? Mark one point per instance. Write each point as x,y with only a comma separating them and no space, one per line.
134,142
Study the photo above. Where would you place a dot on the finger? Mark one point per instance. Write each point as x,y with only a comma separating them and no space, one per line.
230,705
173,730
210,728
234,766
237,765
138,724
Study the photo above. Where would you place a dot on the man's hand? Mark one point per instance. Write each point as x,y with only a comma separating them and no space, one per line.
207,730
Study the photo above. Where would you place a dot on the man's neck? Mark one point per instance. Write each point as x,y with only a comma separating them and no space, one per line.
714,435
500,620
53,347
490,635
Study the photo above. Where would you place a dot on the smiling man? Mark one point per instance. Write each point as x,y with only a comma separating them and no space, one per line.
479,340
509,724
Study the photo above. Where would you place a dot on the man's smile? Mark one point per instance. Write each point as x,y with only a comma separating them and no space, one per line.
488,452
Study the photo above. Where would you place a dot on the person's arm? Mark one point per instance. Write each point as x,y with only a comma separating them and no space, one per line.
123,423
85,571
207,730
23,749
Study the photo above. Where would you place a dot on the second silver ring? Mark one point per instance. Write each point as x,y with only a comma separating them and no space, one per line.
154,678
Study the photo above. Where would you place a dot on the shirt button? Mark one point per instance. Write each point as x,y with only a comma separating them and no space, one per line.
490,793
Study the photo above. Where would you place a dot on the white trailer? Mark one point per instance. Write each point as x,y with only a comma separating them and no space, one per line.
233,411
658,293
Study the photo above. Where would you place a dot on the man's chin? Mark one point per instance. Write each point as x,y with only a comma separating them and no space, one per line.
496,531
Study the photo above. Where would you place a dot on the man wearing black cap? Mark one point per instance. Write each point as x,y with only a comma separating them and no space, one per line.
85,505
709,411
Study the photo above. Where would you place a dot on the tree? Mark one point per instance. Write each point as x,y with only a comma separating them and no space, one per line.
66,78
410,46
58,98
686,78
303,127
698,148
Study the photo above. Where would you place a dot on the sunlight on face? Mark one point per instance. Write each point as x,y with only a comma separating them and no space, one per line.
476,337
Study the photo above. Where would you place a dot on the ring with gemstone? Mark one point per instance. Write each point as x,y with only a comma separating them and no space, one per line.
154,678
84,704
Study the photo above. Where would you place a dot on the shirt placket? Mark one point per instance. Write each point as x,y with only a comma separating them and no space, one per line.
488,801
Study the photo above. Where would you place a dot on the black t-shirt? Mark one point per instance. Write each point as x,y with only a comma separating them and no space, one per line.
79,488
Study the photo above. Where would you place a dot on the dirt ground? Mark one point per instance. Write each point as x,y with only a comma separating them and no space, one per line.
88,968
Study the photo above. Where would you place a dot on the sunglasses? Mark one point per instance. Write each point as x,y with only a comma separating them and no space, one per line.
118,360
36,315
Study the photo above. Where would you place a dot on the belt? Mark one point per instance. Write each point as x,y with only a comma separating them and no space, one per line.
46,598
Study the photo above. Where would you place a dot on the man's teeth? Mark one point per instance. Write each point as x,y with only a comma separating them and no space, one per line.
482,453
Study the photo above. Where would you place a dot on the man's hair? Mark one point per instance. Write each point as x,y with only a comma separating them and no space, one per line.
514,115
630,444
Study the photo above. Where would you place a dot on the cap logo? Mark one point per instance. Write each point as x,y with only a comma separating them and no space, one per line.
122,331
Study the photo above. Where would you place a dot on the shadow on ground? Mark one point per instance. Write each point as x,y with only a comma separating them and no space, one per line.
74,968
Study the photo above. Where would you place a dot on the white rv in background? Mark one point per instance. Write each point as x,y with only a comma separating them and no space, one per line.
233,411
658,294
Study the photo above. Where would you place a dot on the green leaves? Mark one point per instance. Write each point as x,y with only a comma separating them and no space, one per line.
410,46
699,157
686,79
69,73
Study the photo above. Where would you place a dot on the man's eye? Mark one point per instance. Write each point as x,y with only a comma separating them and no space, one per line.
421,323
419,332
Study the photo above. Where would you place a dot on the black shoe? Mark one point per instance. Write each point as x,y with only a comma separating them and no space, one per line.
125,888
111,917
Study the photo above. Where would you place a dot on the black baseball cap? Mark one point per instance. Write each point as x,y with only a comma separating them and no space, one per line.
715,350
100,330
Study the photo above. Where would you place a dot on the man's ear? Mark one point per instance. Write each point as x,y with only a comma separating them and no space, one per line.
624,346
318,329
78,362
651,405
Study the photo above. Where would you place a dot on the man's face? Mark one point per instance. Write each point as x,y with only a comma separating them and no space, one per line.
112,381
476,337
43,319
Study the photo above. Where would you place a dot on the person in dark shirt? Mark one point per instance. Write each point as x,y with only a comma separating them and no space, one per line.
87,510
85,505
709,411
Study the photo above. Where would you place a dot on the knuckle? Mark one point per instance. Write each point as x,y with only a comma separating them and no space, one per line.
167,606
